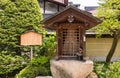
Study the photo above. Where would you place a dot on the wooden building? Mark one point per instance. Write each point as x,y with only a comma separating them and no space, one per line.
70,25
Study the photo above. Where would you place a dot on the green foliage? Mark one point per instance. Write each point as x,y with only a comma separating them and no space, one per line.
114,70
9,62
101,69
104,70
109,11
38,66
17,17
48,47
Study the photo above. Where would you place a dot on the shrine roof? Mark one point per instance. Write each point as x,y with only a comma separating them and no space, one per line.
78,16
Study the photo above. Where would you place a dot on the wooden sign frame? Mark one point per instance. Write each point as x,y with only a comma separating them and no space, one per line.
31,38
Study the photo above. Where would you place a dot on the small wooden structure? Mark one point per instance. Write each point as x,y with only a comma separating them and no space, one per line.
70,26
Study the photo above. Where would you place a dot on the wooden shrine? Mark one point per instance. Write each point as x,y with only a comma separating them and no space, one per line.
70,26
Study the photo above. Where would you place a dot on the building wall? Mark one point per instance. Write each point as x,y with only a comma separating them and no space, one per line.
98,48
50,8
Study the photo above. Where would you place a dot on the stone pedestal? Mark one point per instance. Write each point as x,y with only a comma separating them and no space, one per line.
71,68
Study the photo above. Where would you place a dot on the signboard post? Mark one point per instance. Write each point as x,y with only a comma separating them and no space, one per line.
31,39
31,52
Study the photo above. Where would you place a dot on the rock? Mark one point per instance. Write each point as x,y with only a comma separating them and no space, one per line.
71,68
92,75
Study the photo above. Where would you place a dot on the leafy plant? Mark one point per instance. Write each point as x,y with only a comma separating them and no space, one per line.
105,70
101,69
9,63
38,66
114,70
48,47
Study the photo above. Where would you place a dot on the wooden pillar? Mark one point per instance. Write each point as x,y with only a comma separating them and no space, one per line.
57,53
59,47
84,43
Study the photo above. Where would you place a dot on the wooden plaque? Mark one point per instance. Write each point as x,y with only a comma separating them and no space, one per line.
31,38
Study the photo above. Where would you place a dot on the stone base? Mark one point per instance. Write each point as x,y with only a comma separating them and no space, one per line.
71,68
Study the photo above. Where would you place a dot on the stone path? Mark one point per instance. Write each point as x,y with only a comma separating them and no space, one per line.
43,77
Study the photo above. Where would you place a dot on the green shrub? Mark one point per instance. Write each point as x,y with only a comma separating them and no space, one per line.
48,47
104,70
9,63
38,66
101,69
114,70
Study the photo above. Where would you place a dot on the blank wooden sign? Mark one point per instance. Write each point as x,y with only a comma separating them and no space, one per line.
31,38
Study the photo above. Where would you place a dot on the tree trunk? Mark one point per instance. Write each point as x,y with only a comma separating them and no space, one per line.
113,48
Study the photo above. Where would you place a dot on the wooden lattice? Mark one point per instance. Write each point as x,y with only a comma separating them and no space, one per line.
70,42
